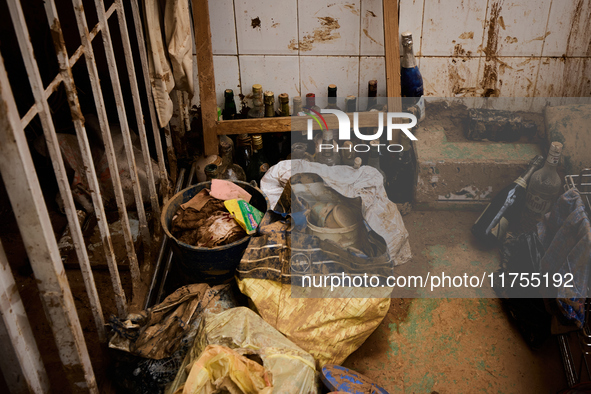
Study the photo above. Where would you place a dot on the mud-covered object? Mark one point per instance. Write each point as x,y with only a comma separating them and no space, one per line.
139,375
497,125
242,330
208,227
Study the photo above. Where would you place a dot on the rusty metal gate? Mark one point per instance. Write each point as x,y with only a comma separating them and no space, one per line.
22,365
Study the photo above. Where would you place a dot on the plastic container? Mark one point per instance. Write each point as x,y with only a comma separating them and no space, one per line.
344,236
207,265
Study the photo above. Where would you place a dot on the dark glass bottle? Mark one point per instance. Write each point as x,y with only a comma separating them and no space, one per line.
243,150
372,94
258,108
374,158
401,172
259,164
211,172
311,102
350,104
272,141
505,207
332,97
229,112
411,80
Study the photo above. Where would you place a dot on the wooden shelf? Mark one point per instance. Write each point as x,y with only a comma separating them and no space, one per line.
212,128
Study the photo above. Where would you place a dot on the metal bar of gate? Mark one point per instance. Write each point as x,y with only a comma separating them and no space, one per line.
85,152
135,93
20,355
53,147
24,192
53,85
137,20
109,149
126,132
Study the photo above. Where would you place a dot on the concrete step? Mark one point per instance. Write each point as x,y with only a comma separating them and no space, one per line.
457,174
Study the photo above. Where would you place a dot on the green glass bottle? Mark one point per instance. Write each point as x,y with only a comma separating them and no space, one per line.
229,112
284,104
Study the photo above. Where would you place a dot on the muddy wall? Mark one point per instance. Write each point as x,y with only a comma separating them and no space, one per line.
520,48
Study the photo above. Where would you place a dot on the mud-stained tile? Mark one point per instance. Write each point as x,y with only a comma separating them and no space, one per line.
279,74
570,27
317,72
372,28
328,28
523,28
449,23
266,27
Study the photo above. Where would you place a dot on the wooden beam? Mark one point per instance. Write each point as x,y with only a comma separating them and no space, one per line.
206,75
392,48
286,124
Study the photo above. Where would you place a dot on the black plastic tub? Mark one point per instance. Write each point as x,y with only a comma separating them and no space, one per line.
207,265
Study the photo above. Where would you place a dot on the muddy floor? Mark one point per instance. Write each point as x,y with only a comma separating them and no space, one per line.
453,345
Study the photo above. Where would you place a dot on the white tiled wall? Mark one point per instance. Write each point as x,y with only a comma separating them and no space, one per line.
543,47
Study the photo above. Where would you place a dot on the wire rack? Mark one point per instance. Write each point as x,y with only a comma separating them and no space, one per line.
582,183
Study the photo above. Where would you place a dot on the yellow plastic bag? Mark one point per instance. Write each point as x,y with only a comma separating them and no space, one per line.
330,329
219,367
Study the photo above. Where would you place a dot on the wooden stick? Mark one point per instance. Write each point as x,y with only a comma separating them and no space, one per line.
392,47
206,76
272,125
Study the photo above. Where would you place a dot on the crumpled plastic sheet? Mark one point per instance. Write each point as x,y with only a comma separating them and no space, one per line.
247,333
379,212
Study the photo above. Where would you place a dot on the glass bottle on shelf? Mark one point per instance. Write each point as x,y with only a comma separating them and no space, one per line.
229,112
269,101
272,141
350,104
284,104
311,102
230,170
372,94
332,97
411,80
297,106
259,164
258,108
243,150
